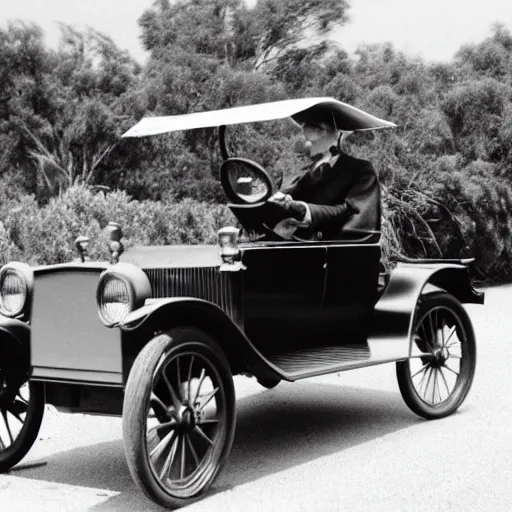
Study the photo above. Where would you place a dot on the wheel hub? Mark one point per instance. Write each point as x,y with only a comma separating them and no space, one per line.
441,355
187,419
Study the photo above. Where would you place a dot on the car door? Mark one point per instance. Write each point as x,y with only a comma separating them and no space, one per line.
283,288
350,292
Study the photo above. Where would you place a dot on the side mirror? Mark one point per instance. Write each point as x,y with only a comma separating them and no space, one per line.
245,181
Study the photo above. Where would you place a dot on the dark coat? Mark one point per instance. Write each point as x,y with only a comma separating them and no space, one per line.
346,195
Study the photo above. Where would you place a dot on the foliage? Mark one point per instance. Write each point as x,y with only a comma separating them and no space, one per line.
445,171
44,235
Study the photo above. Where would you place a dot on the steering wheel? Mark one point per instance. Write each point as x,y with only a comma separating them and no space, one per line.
248,186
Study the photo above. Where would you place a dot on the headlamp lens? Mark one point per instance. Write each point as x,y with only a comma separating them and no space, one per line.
115,300
13,293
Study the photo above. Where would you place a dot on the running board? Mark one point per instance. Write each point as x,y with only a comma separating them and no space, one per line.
303,363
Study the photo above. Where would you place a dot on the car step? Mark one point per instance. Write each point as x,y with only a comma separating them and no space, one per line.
307,362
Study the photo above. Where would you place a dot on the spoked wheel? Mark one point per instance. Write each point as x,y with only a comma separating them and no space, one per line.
178,416
435,384
21,414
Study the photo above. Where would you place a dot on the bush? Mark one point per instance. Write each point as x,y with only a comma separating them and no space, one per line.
45,235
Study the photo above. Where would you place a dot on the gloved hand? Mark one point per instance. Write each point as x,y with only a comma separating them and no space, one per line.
286,228
296,209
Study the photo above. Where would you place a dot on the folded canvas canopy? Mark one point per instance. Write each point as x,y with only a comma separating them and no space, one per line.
346,117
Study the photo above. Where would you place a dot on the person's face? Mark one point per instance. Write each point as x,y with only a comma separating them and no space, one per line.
318,139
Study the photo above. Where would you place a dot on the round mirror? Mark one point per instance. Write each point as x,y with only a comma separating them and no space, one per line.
245,181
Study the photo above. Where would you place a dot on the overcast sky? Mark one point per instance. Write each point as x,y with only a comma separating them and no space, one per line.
434,29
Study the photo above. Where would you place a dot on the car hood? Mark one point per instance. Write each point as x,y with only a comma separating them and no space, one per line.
174,256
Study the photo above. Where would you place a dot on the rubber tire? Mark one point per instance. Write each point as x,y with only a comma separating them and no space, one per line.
403,371
137,391
268,383
28,433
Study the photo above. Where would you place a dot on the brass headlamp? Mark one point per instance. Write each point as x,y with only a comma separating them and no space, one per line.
115,245
229,250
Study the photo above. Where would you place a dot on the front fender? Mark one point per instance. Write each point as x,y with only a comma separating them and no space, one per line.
394,313
158,316
14,342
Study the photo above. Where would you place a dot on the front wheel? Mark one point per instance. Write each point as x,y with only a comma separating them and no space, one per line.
178,416
21,414
436,384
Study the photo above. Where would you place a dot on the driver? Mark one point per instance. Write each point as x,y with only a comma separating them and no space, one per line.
339,191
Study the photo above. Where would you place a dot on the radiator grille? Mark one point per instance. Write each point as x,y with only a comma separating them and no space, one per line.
208,283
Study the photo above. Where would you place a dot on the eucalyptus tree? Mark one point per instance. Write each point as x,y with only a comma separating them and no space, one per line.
60,111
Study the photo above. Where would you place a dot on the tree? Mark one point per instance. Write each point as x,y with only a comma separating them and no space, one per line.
491,58
69,114
475,114
283,24
25,67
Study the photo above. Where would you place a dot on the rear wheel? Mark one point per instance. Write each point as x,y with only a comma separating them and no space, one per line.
178,416
21,413
436,384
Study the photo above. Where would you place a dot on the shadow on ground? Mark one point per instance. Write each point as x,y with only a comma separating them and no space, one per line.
276,430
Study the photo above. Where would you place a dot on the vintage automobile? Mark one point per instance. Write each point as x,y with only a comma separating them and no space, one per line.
157,334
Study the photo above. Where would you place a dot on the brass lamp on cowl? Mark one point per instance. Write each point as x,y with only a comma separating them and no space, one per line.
115,245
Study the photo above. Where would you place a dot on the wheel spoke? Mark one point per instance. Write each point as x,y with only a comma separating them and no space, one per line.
21,399
7,426
174,397
424,336
160,447
423,378
201,380
445,382
190,378
432,330
452,332
427,333
436,325
203,435
170,458
192,450
451,369
439,392
209,421
183,458
178,375
207,399
455,356
422,369
428,382
434,387
155,398
168,424
17,408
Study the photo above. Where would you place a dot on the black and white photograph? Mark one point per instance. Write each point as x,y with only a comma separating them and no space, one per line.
255,255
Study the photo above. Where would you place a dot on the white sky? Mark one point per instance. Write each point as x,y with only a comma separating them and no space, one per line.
434,29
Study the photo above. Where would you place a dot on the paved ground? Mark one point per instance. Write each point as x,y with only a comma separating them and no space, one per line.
344,442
